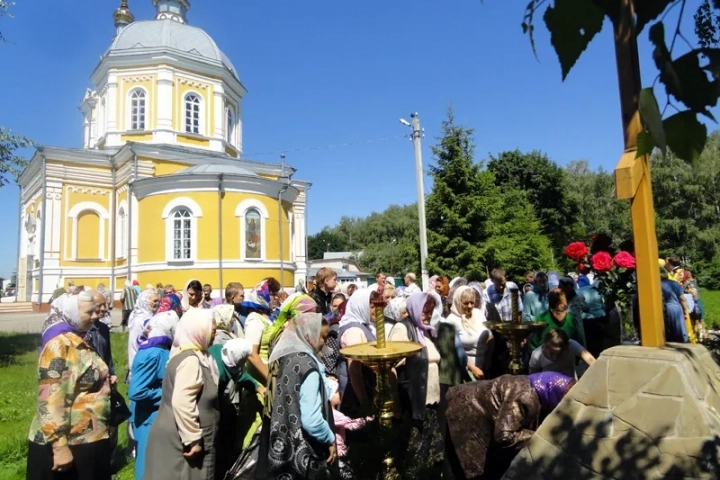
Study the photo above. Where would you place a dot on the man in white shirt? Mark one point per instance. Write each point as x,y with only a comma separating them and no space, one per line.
499,294
410,285
559,354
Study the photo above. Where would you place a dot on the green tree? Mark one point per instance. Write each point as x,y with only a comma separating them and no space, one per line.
11,164
461,205
326,240
516,241
546,185
599,210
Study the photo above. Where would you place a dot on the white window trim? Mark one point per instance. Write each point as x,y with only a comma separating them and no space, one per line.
201,114
74,213
128,116
240,211
121,236
196,212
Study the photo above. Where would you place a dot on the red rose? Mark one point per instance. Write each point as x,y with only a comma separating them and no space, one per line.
582,268
601,262
624,260
576,251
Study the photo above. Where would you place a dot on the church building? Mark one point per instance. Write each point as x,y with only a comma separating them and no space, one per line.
159,191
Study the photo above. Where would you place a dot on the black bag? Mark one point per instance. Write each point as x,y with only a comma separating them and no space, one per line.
246,466
119,411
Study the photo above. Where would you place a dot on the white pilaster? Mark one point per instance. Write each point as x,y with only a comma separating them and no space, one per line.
112,103
219,112
238,128
164,99
53,221
86,131
298,238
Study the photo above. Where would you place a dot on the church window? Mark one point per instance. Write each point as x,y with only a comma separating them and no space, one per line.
182,234
137,109
253,234
230,125
192,113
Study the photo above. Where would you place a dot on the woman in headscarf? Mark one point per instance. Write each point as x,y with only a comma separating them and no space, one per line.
492,419
107,295
69,434
193,295
356,326
145,389
145,307
301,449
258,304
536,301
181,444
230,359
224,323
469,323
418,379
395,312
331,351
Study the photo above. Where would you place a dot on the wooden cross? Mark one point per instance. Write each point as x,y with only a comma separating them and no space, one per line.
632,181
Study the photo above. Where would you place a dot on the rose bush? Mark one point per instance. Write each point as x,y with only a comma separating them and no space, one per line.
601,262
577,251
624,260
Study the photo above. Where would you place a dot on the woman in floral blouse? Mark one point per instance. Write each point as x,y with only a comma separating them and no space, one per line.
69,434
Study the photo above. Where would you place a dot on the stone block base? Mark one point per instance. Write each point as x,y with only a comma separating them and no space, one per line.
637,413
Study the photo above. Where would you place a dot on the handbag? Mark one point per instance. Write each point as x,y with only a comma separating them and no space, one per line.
119,411
247,467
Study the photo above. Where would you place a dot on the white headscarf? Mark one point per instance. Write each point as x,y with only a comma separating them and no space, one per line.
301,335
163,324
358,308
473,325
235,351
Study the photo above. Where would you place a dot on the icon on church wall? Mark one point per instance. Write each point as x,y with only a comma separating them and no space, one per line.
253,234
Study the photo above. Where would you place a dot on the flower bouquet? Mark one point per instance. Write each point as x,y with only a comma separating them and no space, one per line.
615,277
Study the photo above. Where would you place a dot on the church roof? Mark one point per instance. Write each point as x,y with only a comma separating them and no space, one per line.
214,168
139,37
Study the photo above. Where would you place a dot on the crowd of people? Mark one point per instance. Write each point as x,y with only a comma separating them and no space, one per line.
254,384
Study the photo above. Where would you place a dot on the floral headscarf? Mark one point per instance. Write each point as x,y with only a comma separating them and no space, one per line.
415,305
395,309
224,316
550,387
64,317
171,302
143,309
302,335
259,298
294,305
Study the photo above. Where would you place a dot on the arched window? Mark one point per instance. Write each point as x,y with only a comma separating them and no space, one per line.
87,237
137,109
182,234
230,125
192,113
253,234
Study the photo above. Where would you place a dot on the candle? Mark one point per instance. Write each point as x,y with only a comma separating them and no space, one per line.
515,303
380,326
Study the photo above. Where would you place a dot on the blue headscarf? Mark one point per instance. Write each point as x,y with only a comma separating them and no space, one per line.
550,387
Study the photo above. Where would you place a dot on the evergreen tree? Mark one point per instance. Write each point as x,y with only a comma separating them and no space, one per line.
462,202
516,242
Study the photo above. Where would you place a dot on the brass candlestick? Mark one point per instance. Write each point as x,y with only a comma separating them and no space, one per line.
382,357
516,331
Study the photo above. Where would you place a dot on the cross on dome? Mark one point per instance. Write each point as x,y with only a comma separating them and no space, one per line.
175,10
123,16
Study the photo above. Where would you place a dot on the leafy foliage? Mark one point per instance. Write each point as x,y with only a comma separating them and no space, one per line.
691,79
11,164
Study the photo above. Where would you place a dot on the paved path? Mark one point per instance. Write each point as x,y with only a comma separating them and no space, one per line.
32,322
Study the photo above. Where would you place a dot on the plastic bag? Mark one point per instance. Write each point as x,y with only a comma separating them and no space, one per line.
246,465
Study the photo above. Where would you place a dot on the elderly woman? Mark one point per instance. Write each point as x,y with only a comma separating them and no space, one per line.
145,307
230,359
69,434
145,389
504,414
224,316
181,444
304,448
469,324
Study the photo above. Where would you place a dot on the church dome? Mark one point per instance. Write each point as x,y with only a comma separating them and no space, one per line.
168,35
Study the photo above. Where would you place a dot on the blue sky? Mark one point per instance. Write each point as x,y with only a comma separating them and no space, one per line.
323,73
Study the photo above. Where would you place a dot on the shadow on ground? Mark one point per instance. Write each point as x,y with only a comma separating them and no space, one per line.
14,345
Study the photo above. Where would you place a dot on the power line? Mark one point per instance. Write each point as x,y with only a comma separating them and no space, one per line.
325,147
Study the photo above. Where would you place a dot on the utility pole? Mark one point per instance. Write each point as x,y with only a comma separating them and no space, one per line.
417,134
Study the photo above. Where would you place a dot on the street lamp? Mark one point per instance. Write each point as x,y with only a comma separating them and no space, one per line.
416,136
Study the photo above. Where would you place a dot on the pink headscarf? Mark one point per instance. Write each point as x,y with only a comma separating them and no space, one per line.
194,331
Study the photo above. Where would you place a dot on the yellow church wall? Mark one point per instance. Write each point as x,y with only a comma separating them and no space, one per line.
88,249
191,139
88,226
163,167
179,278
128,83
120,283
231,151
136,137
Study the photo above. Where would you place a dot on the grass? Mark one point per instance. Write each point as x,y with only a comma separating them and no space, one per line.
711,302
18,390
